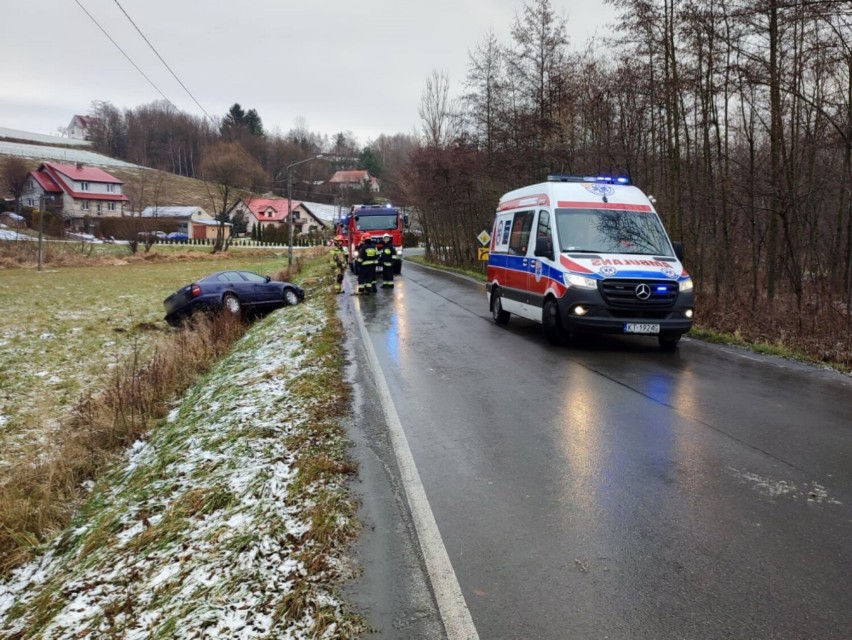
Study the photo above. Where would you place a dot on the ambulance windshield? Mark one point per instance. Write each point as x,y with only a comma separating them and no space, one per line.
609,231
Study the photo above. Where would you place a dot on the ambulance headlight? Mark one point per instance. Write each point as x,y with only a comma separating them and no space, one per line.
685,285
582,282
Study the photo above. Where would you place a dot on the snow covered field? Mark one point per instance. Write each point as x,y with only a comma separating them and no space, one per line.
40,137
59,154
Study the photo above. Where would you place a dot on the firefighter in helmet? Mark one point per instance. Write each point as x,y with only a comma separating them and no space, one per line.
387,259
368,257
338,261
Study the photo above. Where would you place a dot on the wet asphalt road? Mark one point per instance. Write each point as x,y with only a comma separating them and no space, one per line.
604,490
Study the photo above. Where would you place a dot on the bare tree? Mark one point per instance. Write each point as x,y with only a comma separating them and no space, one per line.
438,113
230,175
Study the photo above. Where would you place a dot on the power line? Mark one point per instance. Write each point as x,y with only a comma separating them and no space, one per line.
163,61
129,59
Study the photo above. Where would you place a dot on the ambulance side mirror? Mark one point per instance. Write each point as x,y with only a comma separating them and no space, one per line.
678,249
544,248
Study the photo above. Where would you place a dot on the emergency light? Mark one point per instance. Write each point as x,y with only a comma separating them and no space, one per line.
557,177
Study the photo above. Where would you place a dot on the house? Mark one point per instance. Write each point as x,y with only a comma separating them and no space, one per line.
308,218
325,214
80,127
265,212
354,180
82,193
193,221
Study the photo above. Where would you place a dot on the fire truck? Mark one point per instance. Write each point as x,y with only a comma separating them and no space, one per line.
375,221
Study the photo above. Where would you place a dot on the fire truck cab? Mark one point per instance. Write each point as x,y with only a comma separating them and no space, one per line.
374,221
587,255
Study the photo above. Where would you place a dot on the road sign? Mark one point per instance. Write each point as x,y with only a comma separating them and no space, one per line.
484,238
482,253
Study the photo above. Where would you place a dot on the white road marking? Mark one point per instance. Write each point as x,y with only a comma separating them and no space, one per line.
451,604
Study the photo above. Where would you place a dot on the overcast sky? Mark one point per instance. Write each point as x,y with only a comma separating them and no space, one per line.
336,65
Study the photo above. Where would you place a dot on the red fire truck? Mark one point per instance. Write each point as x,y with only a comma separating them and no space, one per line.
374,221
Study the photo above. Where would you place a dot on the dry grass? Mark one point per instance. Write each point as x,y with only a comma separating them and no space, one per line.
42,489
818,333
42,483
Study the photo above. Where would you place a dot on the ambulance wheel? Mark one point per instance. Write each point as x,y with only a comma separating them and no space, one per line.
552,324
668,342
500,316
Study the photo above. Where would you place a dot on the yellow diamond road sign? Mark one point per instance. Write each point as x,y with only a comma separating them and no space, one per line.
484,237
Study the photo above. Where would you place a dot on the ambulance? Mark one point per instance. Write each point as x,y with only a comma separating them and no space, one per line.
587,255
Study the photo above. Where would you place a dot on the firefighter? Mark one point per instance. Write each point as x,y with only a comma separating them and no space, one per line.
387,259
338,261
368,256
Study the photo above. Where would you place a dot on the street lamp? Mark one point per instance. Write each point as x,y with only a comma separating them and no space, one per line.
290,203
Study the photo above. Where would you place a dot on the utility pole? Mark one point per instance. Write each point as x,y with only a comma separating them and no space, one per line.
290,216
40,228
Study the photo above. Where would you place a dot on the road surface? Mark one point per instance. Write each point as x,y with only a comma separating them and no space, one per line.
603,490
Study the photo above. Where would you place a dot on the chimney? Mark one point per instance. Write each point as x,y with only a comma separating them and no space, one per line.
79,166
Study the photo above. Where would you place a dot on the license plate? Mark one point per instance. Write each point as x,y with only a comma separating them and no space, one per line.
635,327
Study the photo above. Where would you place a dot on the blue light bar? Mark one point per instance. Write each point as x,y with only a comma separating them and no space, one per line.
599,179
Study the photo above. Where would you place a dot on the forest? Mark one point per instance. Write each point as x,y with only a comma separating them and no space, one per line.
736,115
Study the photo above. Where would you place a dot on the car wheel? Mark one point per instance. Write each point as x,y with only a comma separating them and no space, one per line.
552,323
231,304
668,342
500,316
290,297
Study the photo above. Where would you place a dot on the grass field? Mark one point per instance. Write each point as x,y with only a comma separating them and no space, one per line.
62,330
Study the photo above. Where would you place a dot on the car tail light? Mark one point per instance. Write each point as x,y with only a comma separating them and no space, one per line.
195,291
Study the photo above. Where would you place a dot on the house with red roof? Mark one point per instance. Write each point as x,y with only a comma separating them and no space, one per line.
79,191
354,180
264,212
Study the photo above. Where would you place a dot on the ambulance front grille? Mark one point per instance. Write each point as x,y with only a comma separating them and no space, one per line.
638,294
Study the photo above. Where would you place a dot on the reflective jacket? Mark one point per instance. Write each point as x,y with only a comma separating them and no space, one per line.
338,258
368,254
388,255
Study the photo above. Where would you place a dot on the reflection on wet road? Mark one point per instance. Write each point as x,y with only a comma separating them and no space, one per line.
613,490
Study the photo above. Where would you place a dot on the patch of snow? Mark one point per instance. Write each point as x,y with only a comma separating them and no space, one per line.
814,492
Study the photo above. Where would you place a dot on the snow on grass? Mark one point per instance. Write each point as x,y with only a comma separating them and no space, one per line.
207,530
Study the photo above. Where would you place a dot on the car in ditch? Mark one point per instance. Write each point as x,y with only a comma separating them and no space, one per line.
240,293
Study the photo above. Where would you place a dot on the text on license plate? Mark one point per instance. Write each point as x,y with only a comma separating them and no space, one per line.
635,327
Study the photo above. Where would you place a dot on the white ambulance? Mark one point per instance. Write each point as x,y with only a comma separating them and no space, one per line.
587,255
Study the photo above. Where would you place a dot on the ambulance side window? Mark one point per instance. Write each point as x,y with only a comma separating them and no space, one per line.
520,238
543,224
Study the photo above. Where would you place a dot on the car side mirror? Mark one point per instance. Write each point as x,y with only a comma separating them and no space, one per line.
268,278
544,248
678,249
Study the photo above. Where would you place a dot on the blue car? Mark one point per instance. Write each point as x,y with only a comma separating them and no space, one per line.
176,236
240,293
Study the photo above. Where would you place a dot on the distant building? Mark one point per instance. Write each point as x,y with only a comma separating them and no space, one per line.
81,192
354,180
193,221
80,127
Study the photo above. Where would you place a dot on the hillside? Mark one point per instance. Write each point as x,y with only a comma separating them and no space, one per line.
173,189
